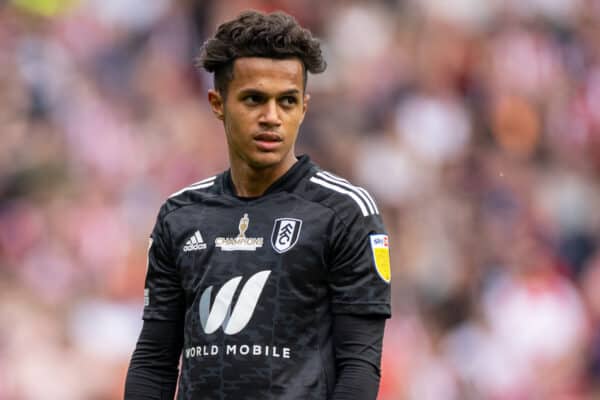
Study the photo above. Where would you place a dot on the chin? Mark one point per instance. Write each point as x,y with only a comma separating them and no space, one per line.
266,160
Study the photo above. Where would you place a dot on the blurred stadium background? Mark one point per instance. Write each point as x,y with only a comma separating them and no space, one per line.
476,125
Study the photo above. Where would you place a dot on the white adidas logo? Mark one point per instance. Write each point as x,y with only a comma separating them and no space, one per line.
194,243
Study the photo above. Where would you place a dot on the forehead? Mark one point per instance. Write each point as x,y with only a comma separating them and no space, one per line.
267,74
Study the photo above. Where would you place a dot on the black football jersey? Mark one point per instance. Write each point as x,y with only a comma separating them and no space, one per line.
258,280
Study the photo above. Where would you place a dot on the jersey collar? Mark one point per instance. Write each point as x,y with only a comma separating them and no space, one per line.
287,182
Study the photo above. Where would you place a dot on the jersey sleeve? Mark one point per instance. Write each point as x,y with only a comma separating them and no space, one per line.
163,295
359,270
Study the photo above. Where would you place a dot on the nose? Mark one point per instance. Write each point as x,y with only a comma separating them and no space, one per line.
270,114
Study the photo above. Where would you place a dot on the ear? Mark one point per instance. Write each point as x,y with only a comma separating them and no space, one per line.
216,103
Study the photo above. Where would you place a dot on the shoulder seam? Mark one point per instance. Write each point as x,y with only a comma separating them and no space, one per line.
359,195
167,213
203,184
361,191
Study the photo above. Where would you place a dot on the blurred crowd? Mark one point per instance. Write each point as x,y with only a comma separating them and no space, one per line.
475,124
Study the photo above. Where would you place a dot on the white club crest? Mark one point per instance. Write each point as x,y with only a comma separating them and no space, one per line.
285,234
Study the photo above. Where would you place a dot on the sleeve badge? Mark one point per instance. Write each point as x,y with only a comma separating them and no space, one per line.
381,256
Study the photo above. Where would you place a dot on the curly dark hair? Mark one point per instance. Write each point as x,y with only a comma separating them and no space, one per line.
254,34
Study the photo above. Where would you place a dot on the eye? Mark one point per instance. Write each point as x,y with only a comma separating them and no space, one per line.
252,99
289,101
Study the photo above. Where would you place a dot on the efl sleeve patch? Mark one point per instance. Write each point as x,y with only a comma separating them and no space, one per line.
381,256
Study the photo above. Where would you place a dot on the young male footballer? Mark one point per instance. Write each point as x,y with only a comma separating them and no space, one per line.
271,279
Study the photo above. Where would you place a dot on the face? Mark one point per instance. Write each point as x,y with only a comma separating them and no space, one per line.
262,112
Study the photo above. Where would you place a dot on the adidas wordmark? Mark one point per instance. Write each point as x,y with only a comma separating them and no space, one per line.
194,243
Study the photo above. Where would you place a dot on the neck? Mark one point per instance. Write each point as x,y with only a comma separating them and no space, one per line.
252,182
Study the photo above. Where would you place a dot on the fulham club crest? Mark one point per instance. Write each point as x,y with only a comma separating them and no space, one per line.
285,234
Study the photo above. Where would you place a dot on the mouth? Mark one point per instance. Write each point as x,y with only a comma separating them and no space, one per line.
267,141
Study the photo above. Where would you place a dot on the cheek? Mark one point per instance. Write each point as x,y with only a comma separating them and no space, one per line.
239,127
295,120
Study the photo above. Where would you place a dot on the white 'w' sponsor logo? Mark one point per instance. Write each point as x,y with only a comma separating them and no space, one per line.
221,314
359,195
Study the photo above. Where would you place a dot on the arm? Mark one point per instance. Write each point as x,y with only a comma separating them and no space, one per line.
153,370
359,277
357,341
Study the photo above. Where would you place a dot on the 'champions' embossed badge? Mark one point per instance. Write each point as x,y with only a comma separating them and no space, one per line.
241,242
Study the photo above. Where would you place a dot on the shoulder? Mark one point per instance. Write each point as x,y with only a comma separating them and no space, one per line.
191,194
194,187
343,197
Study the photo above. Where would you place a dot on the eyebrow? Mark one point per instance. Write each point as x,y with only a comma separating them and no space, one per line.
290,92
257,91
